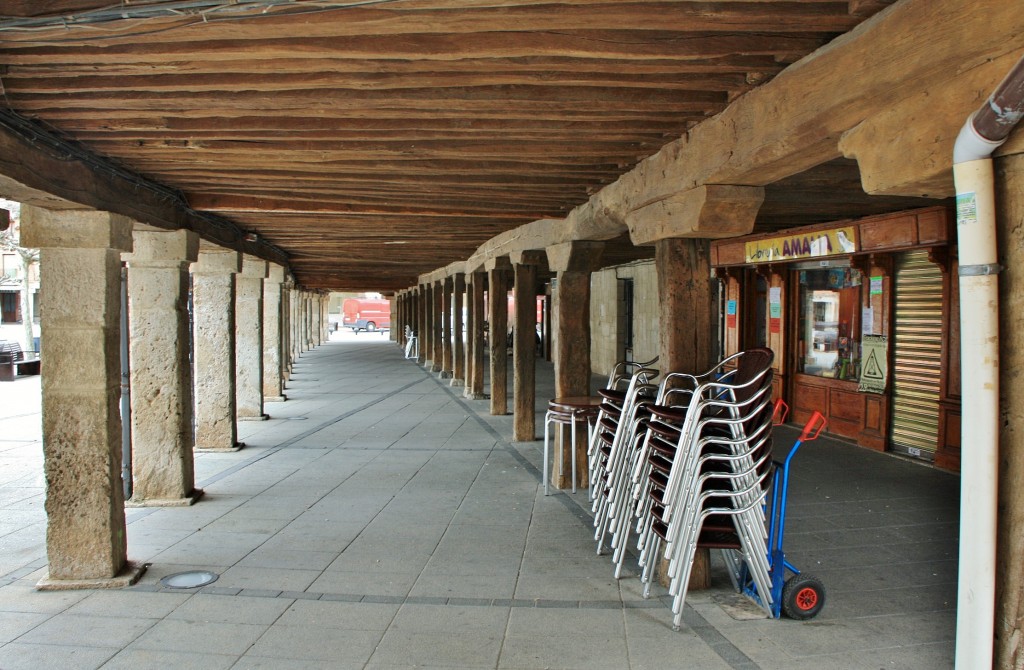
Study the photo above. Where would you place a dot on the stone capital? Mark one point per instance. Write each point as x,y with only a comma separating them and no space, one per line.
275,274
253,268
579,256
158,248
217,263
74,229
709,211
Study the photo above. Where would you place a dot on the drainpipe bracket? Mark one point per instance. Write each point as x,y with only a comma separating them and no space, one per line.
980,270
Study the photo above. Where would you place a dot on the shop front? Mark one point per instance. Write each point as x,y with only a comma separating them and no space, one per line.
859,316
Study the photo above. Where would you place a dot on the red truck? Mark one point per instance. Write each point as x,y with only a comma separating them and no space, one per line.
366,314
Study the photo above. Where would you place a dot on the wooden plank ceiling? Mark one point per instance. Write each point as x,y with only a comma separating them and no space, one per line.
374,141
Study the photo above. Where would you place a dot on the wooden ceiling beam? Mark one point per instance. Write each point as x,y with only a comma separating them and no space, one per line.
460,21
610,44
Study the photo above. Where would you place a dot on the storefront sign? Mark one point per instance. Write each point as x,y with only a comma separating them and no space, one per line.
876,286
874,369
819,244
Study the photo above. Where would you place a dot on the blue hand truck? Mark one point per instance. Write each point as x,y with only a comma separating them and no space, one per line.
802,596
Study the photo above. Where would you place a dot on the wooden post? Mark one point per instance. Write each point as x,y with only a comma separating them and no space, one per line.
475,368
498,271
685,328
573,262
458,331
421,321
446,327
524,349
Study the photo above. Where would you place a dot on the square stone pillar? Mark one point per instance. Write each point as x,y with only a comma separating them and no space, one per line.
498,280
274,349
249,339
80,319
524,349
163,470
458,330
446,328
304,324
213,319
317,303
573,263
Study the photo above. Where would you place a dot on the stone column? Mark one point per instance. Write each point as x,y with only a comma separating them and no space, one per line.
296,302
249,339
213,314
163,472
318,319
573,262
80,321
395,302
497,280
428,325
475,367
458,330
286,331
273,332
524,346
435,330
446,328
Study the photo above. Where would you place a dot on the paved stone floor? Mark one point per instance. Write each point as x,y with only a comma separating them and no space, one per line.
378,520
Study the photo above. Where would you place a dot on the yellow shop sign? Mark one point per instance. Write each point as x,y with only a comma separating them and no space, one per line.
819,244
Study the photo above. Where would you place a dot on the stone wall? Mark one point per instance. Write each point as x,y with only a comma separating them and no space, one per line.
606,314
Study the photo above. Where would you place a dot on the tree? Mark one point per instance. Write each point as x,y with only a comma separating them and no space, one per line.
9,242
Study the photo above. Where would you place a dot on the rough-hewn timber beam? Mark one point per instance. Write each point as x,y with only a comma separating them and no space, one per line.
35,169
916,51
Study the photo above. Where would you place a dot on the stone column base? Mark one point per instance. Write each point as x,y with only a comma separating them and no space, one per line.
218,450
261,417
276,398
457,382
186,501
130,573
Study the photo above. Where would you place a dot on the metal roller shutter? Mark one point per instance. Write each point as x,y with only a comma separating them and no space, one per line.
917,355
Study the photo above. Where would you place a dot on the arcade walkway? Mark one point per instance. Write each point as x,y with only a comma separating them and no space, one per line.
380,521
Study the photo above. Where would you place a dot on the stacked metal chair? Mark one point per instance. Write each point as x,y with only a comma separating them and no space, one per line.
700,475
616,443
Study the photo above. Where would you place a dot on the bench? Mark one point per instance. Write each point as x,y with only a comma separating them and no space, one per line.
14,361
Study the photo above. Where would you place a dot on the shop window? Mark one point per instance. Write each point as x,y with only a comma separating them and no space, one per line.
829,323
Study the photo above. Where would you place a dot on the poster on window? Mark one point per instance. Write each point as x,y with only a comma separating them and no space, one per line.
874,369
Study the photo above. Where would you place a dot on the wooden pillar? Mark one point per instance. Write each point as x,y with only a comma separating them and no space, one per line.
421,319
458,330
475,367
497,335
573,262
686,329
446,328
524,346
437,355
81,279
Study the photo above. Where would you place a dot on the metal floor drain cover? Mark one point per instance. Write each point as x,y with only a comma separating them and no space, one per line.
189,580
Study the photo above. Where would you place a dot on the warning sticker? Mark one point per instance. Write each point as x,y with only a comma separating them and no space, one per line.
874,370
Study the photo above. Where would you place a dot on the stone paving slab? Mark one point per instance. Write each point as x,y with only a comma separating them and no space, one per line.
380,520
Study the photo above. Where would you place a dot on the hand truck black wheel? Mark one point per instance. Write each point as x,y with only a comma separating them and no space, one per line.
803,596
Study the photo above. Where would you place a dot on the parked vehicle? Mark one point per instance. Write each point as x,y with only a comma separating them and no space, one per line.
366,314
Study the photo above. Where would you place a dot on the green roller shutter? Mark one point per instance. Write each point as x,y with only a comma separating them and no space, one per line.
917,355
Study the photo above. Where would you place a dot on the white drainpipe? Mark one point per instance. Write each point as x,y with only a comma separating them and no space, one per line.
983,132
